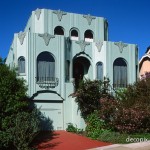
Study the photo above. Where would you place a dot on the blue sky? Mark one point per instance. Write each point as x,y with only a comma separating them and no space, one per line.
129,20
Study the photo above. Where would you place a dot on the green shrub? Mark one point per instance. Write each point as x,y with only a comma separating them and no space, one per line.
71,128
13,99
113,137
95,125
25,129
123,138
19,123
120,94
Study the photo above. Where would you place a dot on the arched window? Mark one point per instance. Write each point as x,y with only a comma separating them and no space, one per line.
88,36
119,73
59,30
99,68
45,67
74,35
21,64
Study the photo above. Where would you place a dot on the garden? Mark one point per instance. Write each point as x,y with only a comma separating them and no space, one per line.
120,118
123,117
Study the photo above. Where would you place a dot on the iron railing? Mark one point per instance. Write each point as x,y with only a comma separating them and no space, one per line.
47,82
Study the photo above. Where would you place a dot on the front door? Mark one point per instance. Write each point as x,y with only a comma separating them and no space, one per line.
80,69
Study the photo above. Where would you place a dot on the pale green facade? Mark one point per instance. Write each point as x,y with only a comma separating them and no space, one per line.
76,51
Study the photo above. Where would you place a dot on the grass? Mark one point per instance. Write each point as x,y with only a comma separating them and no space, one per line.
123,138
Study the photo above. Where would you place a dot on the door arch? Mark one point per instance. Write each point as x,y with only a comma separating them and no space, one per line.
81,67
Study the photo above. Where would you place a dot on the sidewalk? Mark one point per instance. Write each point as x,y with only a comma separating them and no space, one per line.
132,146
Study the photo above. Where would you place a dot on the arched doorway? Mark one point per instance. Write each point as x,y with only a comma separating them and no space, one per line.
80,69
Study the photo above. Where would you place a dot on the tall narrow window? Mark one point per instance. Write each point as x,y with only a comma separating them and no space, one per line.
119,73
45,67
105,30
21,64
67,70
88,36
58,31
99,67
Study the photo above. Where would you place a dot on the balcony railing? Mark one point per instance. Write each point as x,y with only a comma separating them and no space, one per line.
47,82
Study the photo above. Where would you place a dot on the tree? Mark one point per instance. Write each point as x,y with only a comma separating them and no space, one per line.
15,109
87,96
2,61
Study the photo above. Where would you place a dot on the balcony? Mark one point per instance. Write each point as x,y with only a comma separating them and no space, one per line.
47,82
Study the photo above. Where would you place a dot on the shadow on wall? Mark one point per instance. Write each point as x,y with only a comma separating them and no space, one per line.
45,135
46,124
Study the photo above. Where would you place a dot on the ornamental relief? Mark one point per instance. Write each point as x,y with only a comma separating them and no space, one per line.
99,45
47,37
38,13
59,14
120,45
21,36
82,44
89,18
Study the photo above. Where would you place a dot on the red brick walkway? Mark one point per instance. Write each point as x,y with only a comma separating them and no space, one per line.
62,140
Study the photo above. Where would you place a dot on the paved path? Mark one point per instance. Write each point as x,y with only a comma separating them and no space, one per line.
62,140
131,146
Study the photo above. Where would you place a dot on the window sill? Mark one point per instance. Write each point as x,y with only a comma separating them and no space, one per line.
22,74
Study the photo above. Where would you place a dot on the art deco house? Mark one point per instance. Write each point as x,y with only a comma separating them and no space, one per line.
57,49
144,65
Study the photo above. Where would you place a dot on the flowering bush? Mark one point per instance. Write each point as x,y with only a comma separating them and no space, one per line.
130,113
132,120
108,108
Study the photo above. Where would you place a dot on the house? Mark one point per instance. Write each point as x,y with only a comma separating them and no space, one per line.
144,65
57,49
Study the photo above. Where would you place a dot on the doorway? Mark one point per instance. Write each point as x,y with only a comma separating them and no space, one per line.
80,70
